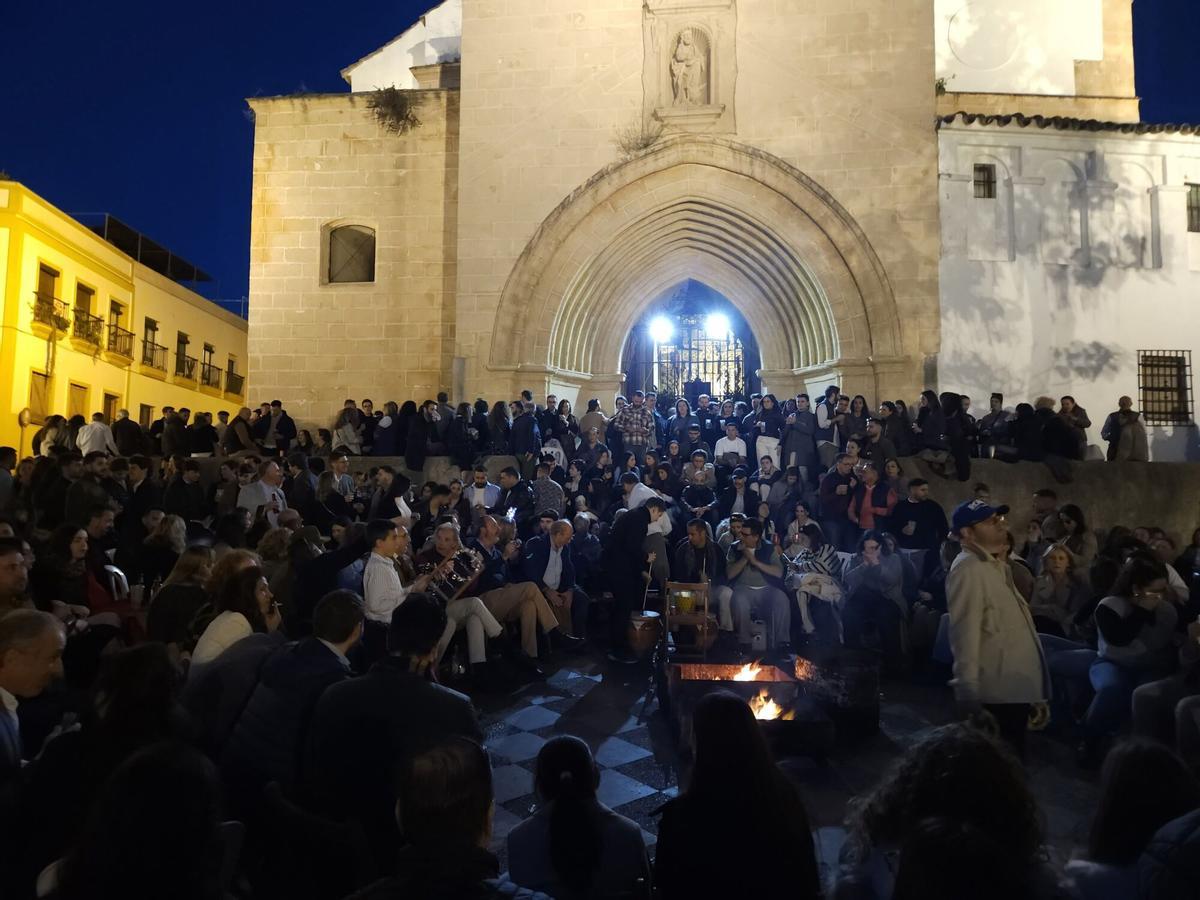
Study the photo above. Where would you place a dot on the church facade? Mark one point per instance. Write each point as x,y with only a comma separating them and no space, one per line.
508,184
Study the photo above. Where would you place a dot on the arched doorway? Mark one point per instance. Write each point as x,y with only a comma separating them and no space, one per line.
691,341
794,263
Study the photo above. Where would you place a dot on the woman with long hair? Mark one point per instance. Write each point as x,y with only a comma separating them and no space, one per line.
1143,786
564,428
182,595
327,505
931,423
459,444
499,430
1076,536
575,847
304,442
893,474
244,607
324,445
61,572
161,549
736,799
855,423
681,421
347,431
956,772
767,429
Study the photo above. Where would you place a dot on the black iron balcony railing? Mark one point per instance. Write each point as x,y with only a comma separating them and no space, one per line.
51,311
210,376
154,355
234,383
185,366
88,327
120,341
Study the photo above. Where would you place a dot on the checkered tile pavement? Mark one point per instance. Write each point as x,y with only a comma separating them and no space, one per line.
635,752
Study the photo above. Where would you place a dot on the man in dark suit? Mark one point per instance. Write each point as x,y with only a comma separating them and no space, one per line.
267,742
364,728
546,562
516,494
627,566
274,430
31,646
526,439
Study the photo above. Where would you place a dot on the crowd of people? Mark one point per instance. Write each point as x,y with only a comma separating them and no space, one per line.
254,675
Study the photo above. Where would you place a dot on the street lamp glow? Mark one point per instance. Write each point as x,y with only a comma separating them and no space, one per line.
661,329
717,326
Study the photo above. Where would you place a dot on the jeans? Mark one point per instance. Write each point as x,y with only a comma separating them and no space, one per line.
772,604
1112,706
1068,663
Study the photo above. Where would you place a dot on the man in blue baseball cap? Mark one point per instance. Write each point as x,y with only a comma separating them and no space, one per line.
998,664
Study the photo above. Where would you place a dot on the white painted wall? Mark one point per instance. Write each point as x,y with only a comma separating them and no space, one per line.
435,37
1016,46
1082,260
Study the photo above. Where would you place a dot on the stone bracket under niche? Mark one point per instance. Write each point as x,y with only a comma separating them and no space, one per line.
689,74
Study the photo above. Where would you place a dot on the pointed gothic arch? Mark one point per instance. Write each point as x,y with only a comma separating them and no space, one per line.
758,230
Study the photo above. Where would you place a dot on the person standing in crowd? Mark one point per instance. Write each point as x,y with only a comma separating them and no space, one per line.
526,440
918,522
96,437
627,565
635,424
128,435
837,491
1132,443
993,427
998,662
1076,418
1111,431
275,430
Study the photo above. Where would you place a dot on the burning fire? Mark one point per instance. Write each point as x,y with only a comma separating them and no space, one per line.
748,672
766,709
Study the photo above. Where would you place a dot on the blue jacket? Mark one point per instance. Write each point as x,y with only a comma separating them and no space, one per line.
536,555
526,437
268,741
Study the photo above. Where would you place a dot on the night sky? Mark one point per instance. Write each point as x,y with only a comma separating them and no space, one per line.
136,108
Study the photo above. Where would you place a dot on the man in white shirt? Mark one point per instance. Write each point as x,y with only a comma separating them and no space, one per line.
96,435
31,646
265,493
731,449
382,590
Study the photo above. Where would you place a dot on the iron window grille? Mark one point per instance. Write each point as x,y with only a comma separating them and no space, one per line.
985,181
1165,386
1193,208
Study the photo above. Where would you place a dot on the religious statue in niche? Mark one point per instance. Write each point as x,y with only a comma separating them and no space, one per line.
689,69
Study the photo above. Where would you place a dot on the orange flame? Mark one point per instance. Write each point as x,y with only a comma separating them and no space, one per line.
766,709
748,672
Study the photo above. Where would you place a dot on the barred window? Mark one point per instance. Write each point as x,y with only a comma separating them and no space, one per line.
1165,384
351,254
985,181
1193,207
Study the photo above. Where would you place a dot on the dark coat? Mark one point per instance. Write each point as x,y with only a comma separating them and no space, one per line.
129,437
536,555
1169,868
729,496
387,438
285,431
526,436
446,873
623,554
188,501
218,695
416,446
175,437
363,727
237,437
268,740
459,443
519,497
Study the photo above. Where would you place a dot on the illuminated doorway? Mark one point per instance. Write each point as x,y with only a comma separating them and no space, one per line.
692,341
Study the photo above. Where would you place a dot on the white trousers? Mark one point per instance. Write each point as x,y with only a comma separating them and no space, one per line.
471,614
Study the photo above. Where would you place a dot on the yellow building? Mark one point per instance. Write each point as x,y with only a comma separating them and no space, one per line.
86,327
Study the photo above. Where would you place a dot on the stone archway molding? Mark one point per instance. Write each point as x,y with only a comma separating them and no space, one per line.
744,222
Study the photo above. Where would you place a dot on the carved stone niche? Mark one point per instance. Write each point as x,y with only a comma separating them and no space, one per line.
689,73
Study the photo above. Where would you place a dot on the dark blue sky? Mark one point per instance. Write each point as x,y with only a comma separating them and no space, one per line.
135,107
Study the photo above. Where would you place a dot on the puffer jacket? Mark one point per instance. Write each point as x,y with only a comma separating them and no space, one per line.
1169,868
268,740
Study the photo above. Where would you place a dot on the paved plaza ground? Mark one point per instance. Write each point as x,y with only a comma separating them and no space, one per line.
602,703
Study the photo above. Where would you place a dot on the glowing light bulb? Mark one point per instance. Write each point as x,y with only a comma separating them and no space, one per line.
717,326
661,329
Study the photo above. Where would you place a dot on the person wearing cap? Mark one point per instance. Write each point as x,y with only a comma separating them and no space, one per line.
999,667
736,498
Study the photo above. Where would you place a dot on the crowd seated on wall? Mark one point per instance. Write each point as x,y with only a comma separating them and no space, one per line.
264,684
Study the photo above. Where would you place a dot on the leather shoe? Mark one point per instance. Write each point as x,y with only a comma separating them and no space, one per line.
560,640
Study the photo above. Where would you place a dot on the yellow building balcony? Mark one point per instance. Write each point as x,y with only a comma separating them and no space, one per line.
235,384
210,379
87,331
120,343
49,314
185,369
154,359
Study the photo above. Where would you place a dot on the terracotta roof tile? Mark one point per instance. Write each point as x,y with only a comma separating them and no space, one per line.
1066,123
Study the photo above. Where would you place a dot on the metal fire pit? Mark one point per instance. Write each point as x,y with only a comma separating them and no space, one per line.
809,732
845,684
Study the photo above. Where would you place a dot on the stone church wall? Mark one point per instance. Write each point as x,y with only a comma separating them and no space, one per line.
323,160
846,96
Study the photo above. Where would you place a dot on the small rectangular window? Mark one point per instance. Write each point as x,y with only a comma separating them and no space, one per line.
115,312
39,396
1165,384
150,334
145,415
351,254
47,282
985,181
1193,208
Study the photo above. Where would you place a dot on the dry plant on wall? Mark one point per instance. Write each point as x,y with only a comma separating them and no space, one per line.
393,109
634,140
